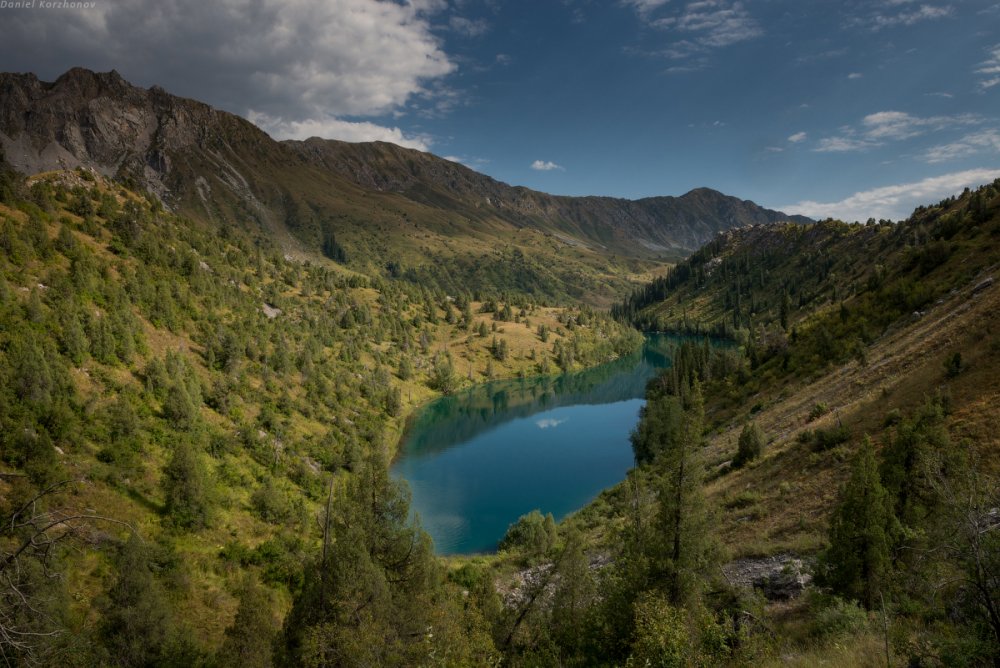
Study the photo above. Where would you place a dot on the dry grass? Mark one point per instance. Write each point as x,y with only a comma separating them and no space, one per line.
865,650
798,486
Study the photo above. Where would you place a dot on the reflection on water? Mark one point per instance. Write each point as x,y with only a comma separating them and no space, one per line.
478,460
453,420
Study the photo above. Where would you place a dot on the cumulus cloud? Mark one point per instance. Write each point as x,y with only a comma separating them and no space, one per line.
297,60
855,75
797,137
894,202
545,166
549,423
900,125
843,145
990,69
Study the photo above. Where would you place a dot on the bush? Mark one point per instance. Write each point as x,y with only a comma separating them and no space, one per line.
835,617
533,534
954,365
825,439
751,445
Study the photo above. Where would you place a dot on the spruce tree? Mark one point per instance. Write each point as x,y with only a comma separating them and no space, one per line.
683,552
857,562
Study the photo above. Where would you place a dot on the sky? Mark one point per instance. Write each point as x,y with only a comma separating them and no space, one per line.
844,108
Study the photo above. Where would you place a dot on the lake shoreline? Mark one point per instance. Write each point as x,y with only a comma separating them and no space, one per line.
459,449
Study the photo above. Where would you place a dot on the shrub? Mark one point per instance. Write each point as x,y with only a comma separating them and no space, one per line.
838,617
954,365
533,534
825,439
818,411
751,444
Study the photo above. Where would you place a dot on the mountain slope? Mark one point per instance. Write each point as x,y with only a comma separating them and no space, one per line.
650,225
195,385
377,207
851,440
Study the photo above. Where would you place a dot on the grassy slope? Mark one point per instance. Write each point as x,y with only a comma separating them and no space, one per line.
290,451
882,309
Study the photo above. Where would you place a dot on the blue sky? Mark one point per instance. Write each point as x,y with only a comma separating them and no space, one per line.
846,109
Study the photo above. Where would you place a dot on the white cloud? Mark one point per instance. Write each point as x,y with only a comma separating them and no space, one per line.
702,25
468,27
843,145
884,126
333,128
717,23
855,75
299,60
972,144
900,125
894,202
545,166
644,7
797,137
907,18
548,423
990,69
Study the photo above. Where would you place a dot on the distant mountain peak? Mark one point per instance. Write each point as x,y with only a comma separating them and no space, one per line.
208,163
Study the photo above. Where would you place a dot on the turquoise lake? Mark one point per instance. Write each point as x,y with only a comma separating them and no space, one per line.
478,460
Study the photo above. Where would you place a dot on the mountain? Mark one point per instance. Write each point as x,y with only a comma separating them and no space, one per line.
375,206
654,224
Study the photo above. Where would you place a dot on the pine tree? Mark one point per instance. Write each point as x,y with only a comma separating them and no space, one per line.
858,559
137,625
574,596
684,552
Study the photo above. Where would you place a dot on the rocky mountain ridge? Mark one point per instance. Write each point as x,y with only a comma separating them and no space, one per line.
213,165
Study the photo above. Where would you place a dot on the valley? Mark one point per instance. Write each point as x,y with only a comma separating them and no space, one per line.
223,356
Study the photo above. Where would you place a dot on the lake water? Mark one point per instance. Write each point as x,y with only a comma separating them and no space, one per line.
478,460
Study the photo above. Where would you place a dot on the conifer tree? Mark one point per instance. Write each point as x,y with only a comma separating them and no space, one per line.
683,554
857,562
750,445
137,625
185,487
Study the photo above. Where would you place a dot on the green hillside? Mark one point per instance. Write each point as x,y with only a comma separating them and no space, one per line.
854,430
195,430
